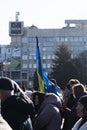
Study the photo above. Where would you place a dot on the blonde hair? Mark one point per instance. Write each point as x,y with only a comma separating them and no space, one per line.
78,89
74,81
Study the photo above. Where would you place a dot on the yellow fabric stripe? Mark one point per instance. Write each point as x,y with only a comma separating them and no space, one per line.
41,83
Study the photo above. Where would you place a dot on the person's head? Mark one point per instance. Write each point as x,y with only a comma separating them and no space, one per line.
37,98
82,107
29,93
78,89
54,99
71,83
6,88
53,81
17,89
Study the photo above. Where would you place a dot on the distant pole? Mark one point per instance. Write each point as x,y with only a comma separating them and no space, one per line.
16,18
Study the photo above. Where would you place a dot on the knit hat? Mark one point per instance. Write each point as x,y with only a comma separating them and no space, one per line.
83,101
6,84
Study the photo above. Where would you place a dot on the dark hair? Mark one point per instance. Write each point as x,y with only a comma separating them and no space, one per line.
6,83
39,94
41,97
53,81
83,101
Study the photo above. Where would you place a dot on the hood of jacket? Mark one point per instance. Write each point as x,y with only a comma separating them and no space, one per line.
52,99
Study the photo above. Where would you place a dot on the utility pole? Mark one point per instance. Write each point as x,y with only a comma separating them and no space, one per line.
16,17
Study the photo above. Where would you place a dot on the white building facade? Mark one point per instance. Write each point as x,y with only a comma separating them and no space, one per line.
23,46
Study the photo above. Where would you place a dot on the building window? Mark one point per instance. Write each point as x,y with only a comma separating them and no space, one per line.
62,39
80,39
75,48
57,39
30,65
9,50
34,57
66,39
44,65
44,57
53,56
81,48
15,75
72,56
76,39
85,39
24,75
32,39
24,57
85,48
34,66
48,65
24,40
48,56
44,48
71,48
24,49
24,66
71,39
30,57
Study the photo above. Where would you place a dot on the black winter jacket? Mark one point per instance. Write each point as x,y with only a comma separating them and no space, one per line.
18,111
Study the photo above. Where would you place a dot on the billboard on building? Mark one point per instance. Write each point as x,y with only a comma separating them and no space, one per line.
16,52
16,64
16,28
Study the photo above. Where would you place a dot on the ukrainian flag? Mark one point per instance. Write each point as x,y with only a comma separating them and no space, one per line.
39,68
45,85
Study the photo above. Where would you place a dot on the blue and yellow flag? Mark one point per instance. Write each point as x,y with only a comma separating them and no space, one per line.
39,68
45,85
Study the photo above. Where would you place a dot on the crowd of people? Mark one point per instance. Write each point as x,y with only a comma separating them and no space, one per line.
23,109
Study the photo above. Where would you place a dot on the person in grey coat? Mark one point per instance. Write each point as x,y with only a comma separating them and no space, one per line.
48,116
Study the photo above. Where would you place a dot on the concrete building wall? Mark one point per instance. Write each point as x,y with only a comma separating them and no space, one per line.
75,37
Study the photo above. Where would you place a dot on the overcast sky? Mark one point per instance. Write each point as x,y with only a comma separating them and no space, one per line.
41,13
